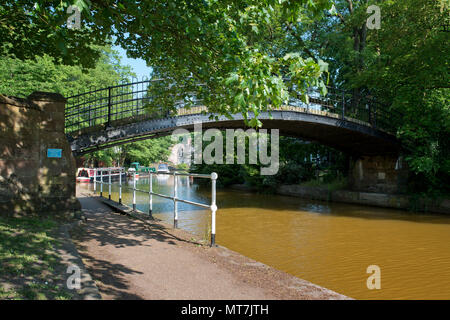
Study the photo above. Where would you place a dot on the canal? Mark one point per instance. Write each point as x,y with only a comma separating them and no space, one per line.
329,244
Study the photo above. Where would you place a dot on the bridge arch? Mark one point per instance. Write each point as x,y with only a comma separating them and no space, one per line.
120,114
352,137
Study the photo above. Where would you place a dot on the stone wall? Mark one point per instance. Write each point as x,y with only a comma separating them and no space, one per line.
31,182
396,201
380,174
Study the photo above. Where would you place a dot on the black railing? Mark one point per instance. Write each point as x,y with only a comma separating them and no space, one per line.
102,107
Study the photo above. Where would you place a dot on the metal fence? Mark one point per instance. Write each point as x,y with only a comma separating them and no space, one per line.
99,178
127,100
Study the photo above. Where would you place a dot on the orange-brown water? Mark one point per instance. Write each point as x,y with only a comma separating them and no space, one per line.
328,244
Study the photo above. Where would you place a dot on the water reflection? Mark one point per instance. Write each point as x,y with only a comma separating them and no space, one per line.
329,244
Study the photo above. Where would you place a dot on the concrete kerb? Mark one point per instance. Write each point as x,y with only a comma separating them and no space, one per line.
70,256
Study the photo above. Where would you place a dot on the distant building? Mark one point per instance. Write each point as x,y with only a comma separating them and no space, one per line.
181,153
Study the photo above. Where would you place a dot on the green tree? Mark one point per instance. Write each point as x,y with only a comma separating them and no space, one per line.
145,152
413,77
37,28
405,66
222,45
299,161
107,157
22,77
148,151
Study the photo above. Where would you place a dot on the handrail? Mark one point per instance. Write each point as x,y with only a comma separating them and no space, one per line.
213,207
126,100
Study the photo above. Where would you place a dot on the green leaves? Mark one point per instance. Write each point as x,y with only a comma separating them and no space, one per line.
149,151
256,87
404,65
83,5
35,28
234,48
20,78
240,100
306,73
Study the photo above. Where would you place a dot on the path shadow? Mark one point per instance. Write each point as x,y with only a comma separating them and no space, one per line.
121,230
105,227
111,278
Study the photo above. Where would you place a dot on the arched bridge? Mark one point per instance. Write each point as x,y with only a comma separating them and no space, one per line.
123,113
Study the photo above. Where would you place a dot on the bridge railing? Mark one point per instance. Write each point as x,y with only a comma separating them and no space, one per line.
102,106
99,178
128,100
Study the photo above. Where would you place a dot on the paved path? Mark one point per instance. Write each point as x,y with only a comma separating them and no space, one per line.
132,260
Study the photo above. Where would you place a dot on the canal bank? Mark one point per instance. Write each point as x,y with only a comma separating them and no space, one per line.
130,259
382,200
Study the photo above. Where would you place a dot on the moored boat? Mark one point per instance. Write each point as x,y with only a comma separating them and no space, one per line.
88,174
132,172
163,168
85,175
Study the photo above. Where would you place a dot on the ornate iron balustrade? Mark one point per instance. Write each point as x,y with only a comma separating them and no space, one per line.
132,100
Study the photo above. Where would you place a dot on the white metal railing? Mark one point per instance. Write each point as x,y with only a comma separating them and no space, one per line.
111,172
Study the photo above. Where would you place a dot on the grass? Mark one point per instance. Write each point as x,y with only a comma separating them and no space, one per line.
30,267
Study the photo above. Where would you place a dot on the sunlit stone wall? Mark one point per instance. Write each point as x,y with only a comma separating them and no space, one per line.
30,181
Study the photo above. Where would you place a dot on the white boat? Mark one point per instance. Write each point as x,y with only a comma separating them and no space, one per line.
163,168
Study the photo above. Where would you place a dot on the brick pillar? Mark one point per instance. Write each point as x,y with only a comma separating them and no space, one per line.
379,174
30,181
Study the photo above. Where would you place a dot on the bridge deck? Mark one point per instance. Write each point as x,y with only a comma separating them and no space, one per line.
347,134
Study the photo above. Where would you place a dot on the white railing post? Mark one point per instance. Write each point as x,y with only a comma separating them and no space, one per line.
134,190
101,183
95,180
120,186
150,196
109,185
213,208
175,207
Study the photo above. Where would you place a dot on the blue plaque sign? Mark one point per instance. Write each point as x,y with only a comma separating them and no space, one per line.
54,153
